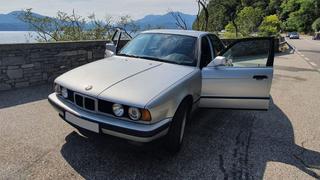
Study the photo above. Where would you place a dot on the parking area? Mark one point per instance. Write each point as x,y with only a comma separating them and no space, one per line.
282,143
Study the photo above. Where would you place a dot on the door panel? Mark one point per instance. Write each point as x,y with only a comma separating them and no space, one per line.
245,81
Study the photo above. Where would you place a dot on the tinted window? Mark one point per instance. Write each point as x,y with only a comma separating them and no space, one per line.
206,56
170,48
252,53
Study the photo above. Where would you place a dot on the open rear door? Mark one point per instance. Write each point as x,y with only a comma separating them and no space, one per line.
119,39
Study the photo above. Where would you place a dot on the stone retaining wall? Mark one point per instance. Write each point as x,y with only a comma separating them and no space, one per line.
30,64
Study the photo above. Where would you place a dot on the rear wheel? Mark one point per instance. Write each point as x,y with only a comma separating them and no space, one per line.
175,135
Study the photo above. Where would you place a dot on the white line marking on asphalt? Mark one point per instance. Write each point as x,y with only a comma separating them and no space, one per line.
307,59
302,55
313,64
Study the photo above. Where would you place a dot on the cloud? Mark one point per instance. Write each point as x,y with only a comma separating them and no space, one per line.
134,8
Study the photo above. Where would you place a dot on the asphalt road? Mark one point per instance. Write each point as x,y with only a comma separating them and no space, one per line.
308,49
282,143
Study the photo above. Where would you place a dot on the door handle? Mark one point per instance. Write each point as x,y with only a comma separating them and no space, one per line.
260,77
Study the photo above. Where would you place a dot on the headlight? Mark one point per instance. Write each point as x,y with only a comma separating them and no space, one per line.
118,110
64,92
134,113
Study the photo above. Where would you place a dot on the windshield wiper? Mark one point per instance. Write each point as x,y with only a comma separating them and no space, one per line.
158,59
129,55
148,58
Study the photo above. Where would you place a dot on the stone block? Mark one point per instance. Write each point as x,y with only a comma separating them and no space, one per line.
4,86
35,79
45,76
90,55
21,84
13,67
80,52
15,60
68,53
34,55
15,73
27,66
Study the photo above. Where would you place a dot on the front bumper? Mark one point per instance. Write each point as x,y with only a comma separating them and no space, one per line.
111,125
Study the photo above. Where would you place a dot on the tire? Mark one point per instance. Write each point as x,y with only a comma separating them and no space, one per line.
174,138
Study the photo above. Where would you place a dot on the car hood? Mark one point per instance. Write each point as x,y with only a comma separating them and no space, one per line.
124,80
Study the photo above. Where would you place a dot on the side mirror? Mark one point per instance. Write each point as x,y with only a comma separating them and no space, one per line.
218,61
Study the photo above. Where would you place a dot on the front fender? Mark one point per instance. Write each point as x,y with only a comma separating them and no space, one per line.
166,103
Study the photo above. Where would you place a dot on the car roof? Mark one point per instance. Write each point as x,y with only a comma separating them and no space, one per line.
178,32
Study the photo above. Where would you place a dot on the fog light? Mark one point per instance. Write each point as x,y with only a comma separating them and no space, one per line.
134,113
64,92
118,110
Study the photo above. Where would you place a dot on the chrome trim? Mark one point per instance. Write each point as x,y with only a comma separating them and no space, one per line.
96,111
83,102
134,125
135,138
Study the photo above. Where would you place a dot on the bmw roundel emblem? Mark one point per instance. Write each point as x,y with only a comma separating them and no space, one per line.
88,88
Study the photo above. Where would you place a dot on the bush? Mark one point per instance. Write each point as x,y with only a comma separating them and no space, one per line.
316,25
270,26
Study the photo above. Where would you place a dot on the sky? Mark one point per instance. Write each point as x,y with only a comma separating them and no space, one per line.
102,8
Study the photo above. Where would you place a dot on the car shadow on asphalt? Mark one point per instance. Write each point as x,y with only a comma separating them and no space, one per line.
219,144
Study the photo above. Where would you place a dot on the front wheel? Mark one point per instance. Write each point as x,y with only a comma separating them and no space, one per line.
174,138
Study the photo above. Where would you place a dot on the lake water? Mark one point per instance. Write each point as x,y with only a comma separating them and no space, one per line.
8,37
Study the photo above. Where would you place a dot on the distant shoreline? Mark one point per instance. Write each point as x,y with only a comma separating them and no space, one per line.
13,37
16,30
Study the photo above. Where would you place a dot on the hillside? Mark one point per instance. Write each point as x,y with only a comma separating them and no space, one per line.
164,21
11,22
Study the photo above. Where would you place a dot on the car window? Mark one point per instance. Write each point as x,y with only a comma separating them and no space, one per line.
170,48
125,36
116,36
206,55
253,53
217,44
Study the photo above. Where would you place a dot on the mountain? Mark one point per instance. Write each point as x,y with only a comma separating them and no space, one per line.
164,21
11,22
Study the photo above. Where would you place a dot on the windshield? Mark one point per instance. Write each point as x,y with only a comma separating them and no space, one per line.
177,49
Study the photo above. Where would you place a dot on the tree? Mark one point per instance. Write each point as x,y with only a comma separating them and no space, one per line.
180,22
316,25
274,7
127,23
270,26
298,15
248,20
72,27
202,20
216,21
218,13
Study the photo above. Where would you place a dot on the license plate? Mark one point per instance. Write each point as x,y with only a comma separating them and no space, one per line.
91,126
